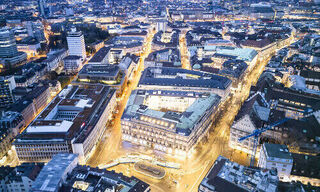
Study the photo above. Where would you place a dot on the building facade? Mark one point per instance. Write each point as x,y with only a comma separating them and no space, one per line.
7,84
168,121
76,44
72,123
72,64
226,175
278,157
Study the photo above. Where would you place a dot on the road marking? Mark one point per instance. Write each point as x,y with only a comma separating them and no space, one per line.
198,178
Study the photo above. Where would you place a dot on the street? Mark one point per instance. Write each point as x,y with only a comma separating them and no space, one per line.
193,169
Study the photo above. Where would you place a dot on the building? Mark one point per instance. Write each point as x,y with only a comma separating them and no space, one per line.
105,74
54,59
72,123
54,173
63,173
165,39
161,25
128,65
26,108
11,123
168,121
20,178
8,43
42,6
7,84
262,11
31,101
275,156
29,45
72,64
233,69
166,78
270,102
4,172
292,167
264,47
40,97
305,169
101,57
9,55
219,55
84,178
96,46
76,44
132,44
163,58
226,175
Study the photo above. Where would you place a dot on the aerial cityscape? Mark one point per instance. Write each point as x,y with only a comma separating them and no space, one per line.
160,95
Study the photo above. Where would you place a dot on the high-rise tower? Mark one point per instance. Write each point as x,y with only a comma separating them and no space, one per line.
76,44
8,47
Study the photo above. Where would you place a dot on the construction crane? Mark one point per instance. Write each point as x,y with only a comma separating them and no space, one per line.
257,132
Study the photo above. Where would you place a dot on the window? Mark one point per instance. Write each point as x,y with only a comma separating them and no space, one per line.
283,169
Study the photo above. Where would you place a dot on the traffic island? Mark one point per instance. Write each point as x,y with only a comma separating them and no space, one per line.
149,170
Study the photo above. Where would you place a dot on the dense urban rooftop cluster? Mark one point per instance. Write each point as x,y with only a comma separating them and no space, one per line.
159,95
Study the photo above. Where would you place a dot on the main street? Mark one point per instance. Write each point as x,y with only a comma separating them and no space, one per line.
193,169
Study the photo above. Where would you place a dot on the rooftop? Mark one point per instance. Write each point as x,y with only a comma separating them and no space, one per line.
226,175
100,55
145,106
51,175
71,115
277,151
105,70
245,54
166,76
84,178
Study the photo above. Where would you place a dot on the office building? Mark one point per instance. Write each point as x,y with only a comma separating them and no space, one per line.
54,59
163,58
11,123
226,175
84,178
9,55
306,169
76,44
101,57
106,74
20,178
72,64
55,173
63,173
8,47
7,84
291,167
72,123
168,121
275,156
166,78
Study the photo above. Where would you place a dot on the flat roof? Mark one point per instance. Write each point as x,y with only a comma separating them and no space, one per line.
183,121
49,126
167,76
100,55
105,70
84,102
50,177
277,151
